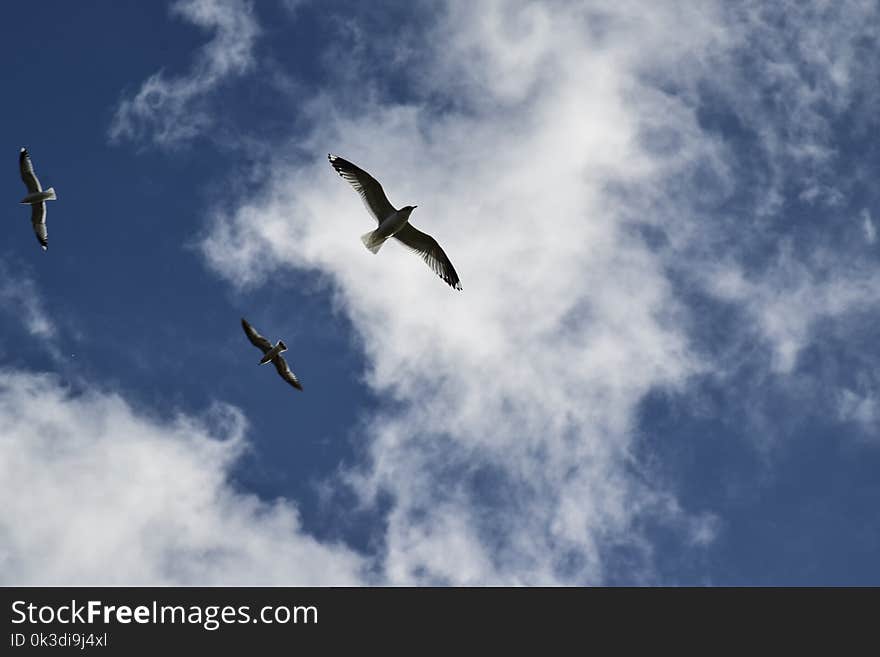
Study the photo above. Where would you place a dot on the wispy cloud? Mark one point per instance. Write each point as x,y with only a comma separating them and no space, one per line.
786,300
862,408
171,110
20,298
868,227
794,70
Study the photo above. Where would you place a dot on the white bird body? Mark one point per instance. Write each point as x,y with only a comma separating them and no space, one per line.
389,227
274,351
39,197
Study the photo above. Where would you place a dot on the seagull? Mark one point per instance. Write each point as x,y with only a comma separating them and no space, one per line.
271,353
36,197
393,223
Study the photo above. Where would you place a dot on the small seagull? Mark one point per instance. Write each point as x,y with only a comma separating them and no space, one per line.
271,353
36,197
394,223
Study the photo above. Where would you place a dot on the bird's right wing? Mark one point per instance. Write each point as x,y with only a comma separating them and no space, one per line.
427,247
256,339
285,372
366,186
38,219
27,172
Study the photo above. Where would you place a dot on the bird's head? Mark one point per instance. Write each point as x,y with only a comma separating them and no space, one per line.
409,208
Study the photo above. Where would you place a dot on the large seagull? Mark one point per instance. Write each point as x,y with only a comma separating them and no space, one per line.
271,353
394,223
36,197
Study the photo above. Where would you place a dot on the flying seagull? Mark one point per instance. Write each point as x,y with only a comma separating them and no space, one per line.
36,197
393,223
271,353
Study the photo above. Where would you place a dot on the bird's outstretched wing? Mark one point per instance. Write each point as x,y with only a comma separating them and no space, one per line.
366,186
256,339
427,247
285,372
27,172
38,219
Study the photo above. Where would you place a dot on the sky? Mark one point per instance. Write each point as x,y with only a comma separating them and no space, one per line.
661,369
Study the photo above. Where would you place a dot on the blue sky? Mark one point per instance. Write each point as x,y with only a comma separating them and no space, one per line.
661,369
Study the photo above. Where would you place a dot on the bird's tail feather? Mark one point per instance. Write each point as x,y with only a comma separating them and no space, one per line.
372,241
50,194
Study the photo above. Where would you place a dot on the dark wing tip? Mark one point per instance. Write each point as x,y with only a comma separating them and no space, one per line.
446,271
334,162
250,332
285,372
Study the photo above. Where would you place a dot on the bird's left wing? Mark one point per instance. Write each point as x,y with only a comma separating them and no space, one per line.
366,186
256,339
427,247
27,172
285,372
38,219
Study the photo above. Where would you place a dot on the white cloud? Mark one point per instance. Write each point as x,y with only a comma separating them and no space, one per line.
97,493
292,6
868,227
172,110
19,297
795,67
508,457
862,408
786,300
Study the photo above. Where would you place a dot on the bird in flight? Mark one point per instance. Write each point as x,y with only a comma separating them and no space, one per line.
394,223
36,197
271,353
